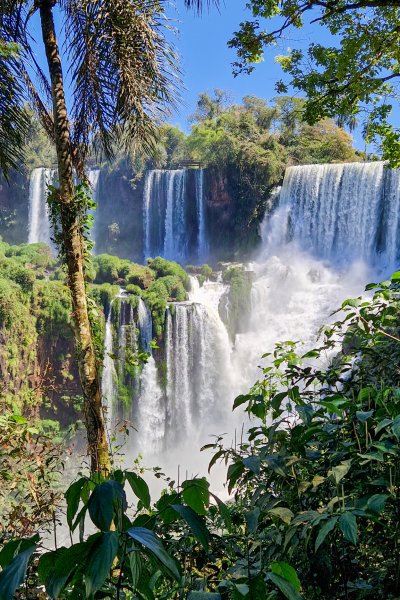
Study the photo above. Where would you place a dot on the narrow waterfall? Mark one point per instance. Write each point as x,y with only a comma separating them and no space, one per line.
199,374
39,229
39,225
93,177
145,325
342,212
202,243
109,378
174,216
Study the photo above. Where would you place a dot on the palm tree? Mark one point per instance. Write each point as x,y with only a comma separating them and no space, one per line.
124,76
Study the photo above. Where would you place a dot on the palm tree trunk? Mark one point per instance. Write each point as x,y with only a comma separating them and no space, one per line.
72,241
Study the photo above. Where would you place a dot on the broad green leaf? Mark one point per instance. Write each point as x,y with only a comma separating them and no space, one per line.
363,416
252,517
235,470
348,525
195,523
376,503
14,547
240,400
139,488
324,531
252,463
100,560
151,542
284,586
242,588
166,513
285,514
106,499
382,424
287,572
395,276
396,426
135,564
14,574
196,495
65,562
223,511
73,496
340,471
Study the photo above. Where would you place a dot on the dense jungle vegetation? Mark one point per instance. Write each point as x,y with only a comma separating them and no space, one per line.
314,486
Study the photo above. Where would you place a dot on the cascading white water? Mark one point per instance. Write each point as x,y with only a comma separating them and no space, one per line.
167,216
39,229
202,243
342,212
93,177
197,353
39,225
108,381
335,225
145,325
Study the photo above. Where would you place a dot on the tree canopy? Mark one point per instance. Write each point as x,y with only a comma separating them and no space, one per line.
355,76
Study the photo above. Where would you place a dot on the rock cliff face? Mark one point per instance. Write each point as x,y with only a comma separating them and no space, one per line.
232,213
14,207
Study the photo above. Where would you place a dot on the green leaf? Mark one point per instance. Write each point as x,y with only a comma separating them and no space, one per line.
149,540
135,564
287,572
324,531
284,586
240,400
285,514
252,517
376,503
100,560
65,562
363,416
195,523
106,499
223,511
14,547
348,525
73,496
235,470
14,573
252,463
196,495
340,471
139,488
395,276
396,427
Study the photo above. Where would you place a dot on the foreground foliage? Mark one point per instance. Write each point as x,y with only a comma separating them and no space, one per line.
315,485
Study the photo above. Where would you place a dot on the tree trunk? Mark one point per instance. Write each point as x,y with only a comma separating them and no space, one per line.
73,247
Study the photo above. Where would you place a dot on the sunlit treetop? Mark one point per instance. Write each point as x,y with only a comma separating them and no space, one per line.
356,78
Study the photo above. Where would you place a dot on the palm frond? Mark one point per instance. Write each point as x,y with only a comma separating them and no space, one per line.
14,122
124,71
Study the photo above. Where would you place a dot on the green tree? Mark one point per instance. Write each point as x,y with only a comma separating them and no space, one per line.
358,73
122,70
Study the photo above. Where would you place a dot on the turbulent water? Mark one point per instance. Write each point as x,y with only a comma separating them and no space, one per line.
335,227
39,228
172,228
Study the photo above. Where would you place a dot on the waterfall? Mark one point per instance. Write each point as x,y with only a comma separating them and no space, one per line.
199,374
145,325
169,209
39,225
93,177
202,243
108,381
342,212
